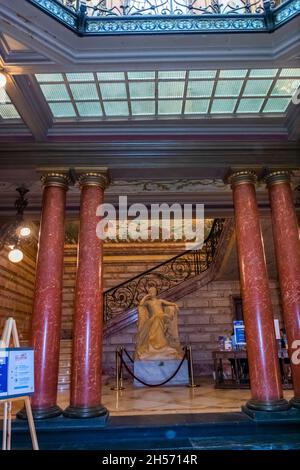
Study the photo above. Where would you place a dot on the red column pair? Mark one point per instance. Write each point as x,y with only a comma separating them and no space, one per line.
46,321
86,369
266,389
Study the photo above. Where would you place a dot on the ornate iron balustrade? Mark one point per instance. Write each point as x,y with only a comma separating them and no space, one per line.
109,17
96,8
173,272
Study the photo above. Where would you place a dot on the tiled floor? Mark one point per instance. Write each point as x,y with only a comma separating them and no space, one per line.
165,400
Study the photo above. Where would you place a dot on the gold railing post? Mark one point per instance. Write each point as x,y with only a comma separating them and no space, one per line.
191,367
121,387
119,370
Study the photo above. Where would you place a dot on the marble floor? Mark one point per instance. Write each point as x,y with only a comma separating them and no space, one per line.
165,400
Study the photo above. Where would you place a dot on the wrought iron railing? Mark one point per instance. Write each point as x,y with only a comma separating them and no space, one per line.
96,8
163,277
107,17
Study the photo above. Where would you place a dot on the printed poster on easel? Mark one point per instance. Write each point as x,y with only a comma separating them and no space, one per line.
16,372
16,380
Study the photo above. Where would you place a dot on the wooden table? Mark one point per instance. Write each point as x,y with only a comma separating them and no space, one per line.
239,375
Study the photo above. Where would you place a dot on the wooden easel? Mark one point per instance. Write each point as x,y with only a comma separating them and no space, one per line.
10,330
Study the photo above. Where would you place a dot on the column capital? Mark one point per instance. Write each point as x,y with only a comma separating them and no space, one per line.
55,178
277,177
93,178
242,176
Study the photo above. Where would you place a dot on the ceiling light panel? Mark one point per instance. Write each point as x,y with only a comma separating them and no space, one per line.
223,106
8,111
199,89
178,93
89,108
84,91
62,110
142,89
55,92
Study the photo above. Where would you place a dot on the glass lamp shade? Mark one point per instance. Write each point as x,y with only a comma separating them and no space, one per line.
25,232
15,255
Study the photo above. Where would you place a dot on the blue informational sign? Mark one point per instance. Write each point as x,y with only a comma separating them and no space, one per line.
239,333
3,372
16,372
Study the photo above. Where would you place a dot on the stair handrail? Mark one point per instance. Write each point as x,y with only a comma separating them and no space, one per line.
163,276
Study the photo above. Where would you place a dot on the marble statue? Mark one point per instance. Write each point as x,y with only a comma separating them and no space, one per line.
157,336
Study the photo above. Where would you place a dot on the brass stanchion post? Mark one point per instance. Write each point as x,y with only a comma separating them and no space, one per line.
121,387
119,373
117,370
191,368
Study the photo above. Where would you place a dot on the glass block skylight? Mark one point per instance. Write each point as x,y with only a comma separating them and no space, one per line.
7,109
176,94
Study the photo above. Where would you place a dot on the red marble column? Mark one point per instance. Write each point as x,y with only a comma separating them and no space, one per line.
88,321
46,319
266,389
287,248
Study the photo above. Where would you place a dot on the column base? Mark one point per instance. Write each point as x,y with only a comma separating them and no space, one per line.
79,412
271,410
273,405
295,402
41,413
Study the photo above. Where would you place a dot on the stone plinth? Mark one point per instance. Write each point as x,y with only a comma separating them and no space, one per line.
155,372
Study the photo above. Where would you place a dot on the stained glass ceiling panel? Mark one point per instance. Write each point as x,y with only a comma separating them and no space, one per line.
190,94
250,105
285,87
7,109
261,73
89,109
257,87
60,110
80,77
200,88
143,108
276,105
196,106
113,91
142,89
223,106
49,77
228,87
141,75
170,90
233,73
55,92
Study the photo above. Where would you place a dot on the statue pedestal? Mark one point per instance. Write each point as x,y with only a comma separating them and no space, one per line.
157,371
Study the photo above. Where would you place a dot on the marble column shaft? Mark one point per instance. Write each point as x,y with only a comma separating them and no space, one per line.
266,389
287,248
46,320
88,320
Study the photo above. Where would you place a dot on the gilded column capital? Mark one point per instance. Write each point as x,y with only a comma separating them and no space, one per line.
56,178
93,178
277,177
237,177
